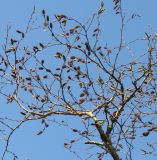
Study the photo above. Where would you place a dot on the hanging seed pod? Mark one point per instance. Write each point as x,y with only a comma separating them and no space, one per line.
145,134
47,18
23,35
81,100
28,78
48,70
45,76
51,26
43,12
42,62
82,94
41,45
40,68
18,31
87,46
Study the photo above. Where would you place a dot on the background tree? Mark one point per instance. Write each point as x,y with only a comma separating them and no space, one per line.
75,73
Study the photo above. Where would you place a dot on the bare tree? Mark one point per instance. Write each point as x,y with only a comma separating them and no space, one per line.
73,74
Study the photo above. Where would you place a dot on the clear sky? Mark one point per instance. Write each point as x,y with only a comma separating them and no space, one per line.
49,146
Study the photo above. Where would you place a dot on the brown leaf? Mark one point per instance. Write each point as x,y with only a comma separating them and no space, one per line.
87,46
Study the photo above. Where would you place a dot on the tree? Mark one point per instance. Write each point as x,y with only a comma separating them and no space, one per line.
84,78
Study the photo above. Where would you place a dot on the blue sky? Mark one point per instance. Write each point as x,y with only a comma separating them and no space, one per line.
16,13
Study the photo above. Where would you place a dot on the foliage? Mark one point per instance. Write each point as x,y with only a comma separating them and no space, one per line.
114,99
